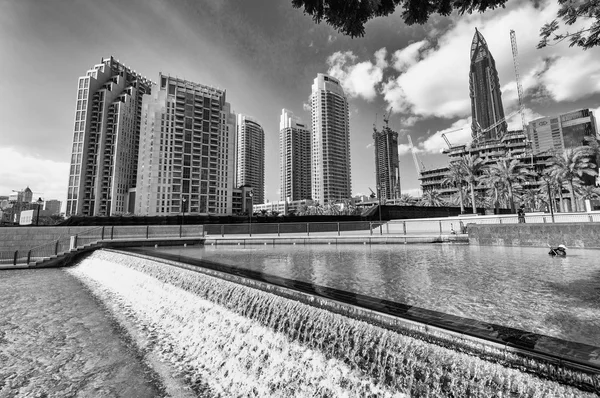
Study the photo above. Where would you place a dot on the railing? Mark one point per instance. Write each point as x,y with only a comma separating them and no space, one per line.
94,235
414,227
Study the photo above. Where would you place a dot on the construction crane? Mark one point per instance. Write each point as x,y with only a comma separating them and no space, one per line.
373,194
515,53
493,126
420,167
446,138
386,119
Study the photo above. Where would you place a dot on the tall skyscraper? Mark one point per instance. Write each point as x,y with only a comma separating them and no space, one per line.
251,157
294,161
484,88
557,133
187,150
105,139
330,141
387,169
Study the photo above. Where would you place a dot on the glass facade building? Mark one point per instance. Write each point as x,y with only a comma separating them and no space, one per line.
557,133
251,157
484,90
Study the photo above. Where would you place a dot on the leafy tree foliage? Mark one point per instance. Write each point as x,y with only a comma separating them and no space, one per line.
350,16
570,12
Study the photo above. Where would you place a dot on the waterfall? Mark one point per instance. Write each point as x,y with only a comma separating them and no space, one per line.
232,340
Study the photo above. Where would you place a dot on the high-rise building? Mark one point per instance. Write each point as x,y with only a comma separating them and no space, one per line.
187,150
52,207
330,141
294,158
105,139
387,169
251,157
557,133
484,88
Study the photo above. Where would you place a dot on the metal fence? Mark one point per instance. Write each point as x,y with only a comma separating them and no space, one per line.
94,235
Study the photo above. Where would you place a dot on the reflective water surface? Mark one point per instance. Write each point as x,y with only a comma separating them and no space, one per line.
518,287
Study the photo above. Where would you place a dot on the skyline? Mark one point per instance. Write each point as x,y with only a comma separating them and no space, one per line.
266,56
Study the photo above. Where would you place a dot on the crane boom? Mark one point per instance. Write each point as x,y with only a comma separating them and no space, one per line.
421,167
515,53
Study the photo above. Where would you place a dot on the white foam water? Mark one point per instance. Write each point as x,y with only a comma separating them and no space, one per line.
225,339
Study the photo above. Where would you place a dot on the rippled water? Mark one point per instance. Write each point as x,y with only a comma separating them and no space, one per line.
511,286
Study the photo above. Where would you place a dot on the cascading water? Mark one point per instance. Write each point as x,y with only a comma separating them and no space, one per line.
231,340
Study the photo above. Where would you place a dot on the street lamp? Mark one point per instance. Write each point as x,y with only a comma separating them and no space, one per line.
39,204
183,202
379,199
250,208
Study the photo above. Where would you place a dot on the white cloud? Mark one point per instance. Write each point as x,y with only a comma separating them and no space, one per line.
306,106
408,56
358,79
369,145
435,81
573,77
457,134
515,123
45,178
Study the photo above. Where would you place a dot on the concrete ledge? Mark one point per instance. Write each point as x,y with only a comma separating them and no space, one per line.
320,239
580,235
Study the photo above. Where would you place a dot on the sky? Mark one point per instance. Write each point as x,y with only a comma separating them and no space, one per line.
266,54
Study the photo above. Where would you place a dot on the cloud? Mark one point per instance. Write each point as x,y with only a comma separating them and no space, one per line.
370,145
457,134
430,77
45,178
358,79
306,106
408,56
515,123
331,39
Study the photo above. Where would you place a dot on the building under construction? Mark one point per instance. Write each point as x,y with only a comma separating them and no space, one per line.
386,162
491,140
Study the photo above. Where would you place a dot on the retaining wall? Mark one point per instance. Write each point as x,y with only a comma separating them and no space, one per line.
28,237
582,235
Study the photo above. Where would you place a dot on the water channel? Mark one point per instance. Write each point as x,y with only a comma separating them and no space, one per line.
518,287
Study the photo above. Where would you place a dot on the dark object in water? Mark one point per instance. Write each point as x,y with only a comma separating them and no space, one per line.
560,251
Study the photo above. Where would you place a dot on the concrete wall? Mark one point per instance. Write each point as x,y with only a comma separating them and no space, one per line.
27,237
583,235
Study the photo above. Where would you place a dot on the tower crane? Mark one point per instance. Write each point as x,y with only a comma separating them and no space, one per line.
386,119
515,53
446,138
420,167
504,119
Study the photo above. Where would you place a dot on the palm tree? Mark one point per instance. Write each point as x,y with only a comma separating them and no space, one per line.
455,178
431,197
406,200
492,180
472,166
588,192
569,166
534,198
510,173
